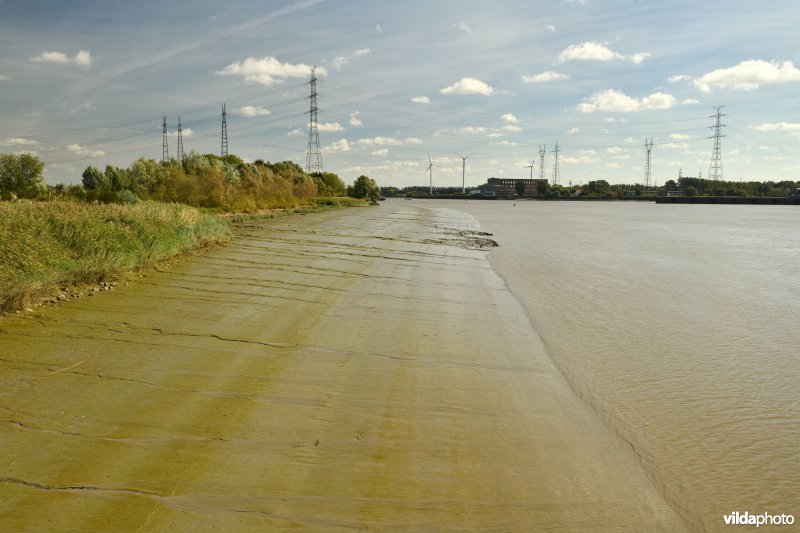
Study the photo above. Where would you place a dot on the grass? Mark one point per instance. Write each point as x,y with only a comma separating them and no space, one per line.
338,201
47,244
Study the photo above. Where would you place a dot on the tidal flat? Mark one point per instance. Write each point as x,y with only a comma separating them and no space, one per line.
352,369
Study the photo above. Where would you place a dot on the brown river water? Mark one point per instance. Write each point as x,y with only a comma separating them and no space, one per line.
679,326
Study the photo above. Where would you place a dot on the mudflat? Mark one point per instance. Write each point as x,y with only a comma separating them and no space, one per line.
354,369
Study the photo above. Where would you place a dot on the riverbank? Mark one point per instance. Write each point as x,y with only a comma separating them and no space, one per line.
46,245
349,369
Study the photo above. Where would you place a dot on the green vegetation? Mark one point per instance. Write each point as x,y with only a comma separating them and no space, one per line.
47,244
20,176
366,188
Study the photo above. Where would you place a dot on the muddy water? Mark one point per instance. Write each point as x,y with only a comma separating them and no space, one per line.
356,369
679,326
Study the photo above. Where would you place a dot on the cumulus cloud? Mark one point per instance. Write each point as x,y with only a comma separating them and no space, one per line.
342,145
788,127
268,70
383,152
18,141
511,119
387,141
615,150
413,140
748,75
463,26
573,131
82,150
676,146
297,132
678,77
83,58
254,111
612,100
678,136
597,51
511,128
421,100
341,61
543,77
330,126
468,86
354,120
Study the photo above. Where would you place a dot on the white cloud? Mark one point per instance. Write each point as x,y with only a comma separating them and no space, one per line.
690,101
678,136
748,75
297,132
596,51
354,120
380,141
185,132
678,77
82,150
268,70
505,143
379,28
676,146
790,128
573,131
254,111
18,141
612,100
83,58
471,129
421,100
551,28
85,106
615,150
330,126
463,26
544,77
383,152
341,61
511,119
511,128
342,145
3,77
587,51
468,86
413,140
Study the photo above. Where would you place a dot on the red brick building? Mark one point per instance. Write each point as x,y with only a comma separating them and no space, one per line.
507,188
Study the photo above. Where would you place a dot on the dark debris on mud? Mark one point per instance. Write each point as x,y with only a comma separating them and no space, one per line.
462,238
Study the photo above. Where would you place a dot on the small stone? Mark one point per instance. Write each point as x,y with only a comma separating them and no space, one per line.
62,297
95,289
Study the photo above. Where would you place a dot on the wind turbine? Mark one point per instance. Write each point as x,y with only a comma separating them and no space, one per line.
463,170
430,171
533,164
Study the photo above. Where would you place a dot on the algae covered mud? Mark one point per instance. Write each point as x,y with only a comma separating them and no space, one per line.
678,325
358,369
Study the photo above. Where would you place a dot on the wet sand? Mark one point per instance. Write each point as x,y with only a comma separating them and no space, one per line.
355,369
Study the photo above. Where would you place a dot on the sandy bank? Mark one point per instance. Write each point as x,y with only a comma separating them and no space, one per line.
355,369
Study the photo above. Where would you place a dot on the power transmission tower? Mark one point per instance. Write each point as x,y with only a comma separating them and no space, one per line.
313,154
180,140
556,175
164,146
463,170
542,151
715,168
224,147
649,148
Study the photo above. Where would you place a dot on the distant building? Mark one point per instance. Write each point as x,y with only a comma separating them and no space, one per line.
507,188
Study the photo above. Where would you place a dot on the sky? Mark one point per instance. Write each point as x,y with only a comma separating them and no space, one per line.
89,82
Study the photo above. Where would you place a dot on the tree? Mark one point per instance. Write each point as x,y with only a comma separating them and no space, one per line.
93,178
542,188
20,174
365,187
520,187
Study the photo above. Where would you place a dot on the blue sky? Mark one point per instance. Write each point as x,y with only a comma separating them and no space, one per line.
88,82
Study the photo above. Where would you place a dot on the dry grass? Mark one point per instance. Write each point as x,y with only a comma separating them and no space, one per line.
46,244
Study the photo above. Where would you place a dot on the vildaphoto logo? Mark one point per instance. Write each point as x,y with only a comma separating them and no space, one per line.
764,519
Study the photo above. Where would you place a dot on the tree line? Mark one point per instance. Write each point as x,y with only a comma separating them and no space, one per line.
200,180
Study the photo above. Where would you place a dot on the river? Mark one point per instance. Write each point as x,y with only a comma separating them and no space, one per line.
678,325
